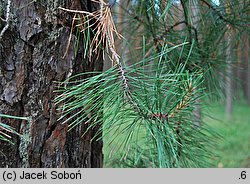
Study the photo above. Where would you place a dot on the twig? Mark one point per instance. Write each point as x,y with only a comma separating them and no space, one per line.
184,102
2,19
217,12
116,58
133,16
186,18
169,29
7,20
105,28
76,11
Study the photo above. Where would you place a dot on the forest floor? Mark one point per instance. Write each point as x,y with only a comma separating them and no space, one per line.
233,149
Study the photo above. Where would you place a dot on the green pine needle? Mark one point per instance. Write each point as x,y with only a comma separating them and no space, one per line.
152,111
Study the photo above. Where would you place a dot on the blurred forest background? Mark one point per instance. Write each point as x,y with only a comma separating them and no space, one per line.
227,112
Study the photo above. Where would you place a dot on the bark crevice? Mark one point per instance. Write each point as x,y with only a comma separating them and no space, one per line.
31,60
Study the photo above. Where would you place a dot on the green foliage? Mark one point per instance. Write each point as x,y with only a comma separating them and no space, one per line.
206,26
145,111
145,106
5,129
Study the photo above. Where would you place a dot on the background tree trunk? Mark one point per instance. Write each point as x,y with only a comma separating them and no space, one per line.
31,58
229,73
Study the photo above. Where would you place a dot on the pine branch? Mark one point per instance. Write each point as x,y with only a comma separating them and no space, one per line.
185,101
186,20
105,28
135,17
217,12
171,28
221,17
145,107
116,58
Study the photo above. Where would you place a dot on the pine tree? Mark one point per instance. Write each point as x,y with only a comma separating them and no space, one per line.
143,106
37,48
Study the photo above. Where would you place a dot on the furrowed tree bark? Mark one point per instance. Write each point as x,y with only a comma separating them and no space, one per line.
31,60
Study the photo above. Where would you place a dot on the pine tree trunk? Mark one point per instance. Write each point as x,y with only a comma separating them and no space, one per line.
34,53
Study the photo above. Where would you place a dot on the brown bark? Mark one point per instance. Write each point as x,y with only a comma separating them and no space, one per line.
31,58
